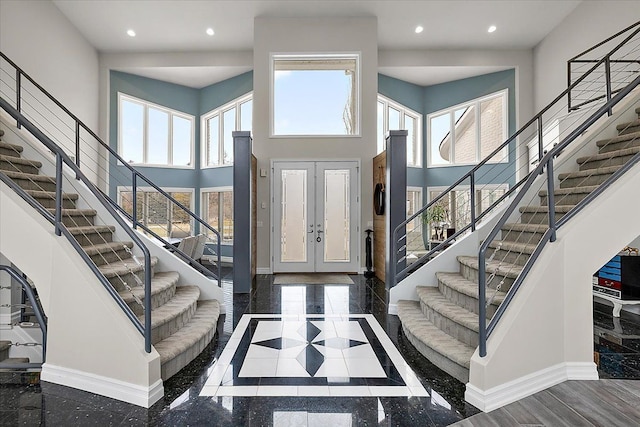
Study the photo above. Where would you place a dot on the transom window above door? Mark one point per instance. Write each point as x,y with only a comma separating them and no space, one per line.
153,135
315,95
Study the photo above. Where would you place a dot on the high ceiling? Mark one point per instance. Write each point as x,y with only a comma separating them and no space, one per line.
179,26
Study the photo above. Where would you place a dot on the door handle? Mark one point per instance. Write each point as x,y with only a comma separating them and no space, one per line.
320,231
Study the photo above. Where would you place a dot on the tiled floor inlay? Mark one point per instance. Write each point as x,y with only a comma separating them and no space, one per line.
311,355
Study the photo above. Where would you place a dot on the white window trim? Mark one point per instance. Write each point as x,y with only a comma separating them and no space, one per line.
418,190
228,188
409,112
219,111
479,187
504,93
318,55
171,112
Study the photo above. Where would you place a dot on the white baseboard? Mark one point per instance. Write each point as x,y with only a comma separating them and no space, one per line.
499,396
115,389
263,270
393,309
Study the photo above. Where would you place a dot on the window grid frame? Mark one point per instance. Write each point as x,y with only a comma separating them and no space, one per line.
388,103
145,133
204,209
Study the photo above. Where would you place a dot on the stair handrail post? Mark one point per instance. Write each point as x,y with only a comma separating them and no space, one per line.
58,215
540,137
77,143
134,195
18,94
482,305
147,301
607,74
551,202
569,86
37,308
472,200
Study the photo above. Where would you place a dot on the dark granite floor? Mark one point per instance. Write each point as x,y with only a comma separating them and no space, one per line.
33,403
616,343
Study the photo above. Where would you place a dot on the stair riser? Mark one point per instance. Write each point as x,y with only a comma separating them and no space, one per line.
4,354
9,152
172,326
463,300
521,236
565,199
450,327
584,181
16,167
26,184
78,220
614,146
615,161
537,217
110,256
51,203
156,300
89,239
472,275
508,256
132,279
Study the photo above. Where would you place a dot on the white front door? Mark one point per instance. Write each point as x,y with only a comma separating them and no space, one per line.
316,214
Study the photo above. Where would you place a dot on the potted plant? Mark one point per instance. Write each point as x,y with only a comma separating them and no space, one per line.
436,217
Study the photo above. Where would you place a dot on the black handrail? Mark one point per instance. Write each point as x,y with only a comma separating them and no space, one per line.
135,173
549,236
37,310
537,119
62,157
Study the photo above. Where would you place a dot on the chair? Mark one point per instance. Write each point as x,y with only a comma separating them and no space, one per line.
198,249
187,245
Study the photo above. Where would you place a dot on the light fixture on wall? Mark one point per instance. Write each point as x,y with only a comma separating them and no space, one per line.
492,29
419,29
131,33
210,31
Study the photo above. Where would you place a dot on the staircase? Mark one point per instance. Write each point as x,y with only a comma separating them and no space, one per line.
182,325
443,324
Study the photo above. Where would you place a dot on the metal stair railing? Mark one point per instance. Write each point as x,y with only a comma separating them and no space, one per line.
546,165
540,129
37,311
60,229
72,131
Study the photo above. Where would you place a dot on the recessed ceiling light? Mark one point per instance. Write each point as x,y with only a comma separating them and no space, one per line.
492,29
419,29
131,33
210,31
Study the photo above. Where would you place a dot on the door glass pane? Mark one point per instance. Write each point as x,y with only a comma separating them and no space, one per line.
294,216
181,141
213,143
229,125
336,215
492,128
464,149
132,116
440,139
158,134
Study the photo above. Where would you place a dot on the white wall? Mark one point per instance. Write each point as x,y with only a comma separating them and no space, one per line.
590,23
42,41
281,35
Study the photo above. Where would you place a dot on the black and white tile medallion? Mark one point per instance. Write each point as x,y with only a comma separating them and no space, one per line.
311,355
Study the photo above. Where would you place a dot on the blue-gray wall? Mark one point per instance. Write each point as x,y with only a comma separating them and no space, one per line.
195,102
429,99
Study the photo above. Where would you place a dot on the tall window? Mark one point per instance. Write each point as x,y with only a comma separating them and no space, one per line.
153,135
469,132
315,95
217,126
217,210
156,212
393,116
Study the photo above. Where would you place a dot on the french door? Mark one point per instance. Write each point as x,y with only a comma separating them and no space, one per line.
316,216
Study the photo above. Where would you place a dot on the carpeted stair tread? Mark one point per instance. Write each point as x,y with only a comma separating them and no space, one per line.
75,212
106,247
606,156
431,297
203,322
184,297
520,248
20,161
587,189
638,111
623,126
90,229
538,209
616,139
8,146
29,176
583,174
126,266
518,226
457,282
160,282
38,194
503,268
414,321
